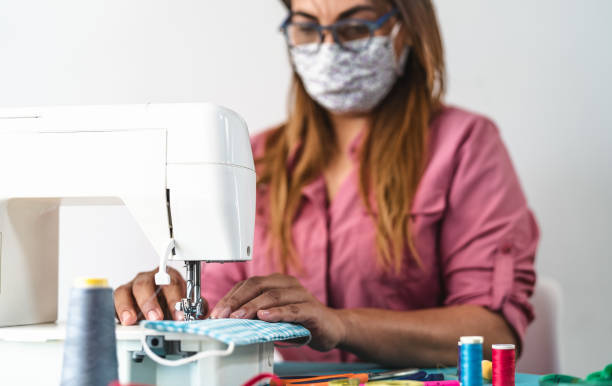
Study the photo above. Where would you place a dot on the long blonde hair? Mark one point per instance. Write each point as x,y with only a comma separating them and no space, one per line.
393,153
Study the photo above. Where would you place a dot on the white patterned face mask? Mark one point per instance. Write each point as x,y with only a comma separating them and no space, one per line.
344,81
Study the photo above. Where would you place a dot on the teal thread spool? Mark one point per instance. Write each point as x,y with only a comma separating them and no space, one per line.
90,353
470,357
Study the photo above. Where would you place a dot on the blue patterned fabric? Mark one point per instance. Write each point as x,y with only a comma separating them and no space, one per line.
238,331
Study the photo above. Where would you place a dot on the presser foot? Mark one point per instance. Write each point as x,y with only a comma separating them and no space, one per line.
192,305
191,310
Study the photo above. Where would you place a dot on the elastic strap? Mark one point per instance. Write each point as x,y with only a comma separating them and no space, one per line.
183,361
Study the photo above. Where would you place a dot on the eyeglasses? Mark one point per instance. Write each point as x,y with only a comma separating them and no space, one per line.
350,34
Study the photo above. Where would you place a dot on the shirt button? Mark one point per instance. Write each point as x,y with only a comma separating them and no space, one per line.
506,248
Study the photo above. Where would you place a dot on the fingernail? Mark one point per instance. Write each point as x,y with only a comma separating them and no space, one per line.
153,315
126,317
263,313
225,313
179,315
214,313
238,314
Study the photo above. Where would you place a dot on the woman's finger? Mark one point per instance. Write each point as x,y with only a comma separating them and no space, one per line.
275,297
291,313
250,289
145,293
325,325
173,293
125,306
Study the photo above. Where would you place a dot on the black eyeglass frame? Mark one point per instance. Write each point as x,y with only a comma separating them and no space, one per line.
372,26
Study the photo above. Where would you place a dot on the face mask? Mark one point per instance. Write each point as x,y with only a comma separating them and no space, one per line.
233,332
344,81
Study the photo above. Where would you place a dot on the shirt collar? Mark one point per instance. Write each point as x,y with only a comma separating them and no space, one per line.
315,190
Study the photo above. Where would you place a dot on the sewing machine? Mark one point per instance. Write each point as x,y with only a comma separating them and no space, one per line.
184,171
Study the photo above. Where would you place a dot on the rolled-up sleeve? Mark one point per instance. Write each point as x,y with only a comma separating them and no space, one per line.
488,235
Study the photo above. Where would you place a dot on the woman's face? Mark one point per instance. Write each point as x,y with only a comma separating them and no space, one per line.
326,12
354,75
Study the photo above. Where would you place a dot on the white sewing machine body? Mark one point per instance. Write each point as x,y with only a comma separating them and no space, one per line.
185,168
41,346
184,171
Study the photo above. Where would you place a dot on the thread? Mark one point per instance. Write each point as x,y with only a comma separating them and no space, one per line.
471,360
382,383
90,282
271,378
503,364
140,314
90,353
341,382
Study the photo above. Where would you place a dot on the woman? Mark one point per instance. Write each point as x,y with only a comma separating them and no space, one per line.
387,223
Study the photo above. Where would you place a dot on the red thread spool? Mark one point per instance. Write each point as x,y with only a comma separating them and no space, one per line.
503,364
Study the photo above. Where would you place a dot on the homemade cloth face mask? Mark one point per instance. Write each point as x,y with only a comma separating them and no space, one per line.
233,332
345,81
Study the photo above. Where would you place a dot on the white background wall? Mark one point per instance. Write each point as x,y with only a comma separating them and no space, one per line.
540,69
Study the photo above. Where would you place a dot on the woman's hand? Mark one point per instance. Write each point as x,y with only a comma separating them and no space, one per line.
281,298
142,299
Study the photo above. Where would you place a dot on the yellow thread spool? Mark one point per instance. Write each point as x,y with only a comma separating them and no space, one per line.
90,282
487,370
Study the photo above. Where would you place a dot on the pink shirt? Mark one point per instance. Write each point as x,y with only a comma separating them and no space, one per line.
472,227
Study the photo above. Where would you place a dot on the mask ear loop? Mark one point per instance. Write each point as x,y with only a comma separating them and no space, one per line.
183,361
398,61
